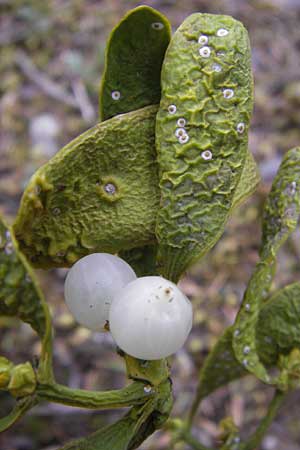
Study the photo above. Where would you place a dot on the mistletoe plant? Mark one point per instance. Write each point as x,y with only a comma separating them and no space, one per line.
155,181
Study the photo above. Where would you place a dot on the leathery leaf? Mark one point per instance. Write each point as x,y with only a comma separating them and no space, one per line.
131,79
130,431
278,329
134,57
201,136
277,333
20,295
96,194
281,214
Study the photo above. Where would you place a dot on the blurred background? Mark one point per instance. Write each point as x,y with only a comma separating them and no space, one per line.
52,55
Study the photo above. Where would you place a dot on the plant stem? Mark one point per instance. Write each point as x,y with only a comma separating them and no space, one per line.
134,394
19,410
193,410
257,436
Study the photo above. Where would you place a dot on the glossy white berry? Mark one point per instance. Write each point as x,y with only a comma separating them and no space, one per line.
150,318
90,286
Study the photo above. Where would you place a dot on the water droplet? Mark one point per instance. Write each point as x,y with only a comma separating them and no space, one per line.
245,362
237,439
110,188
183,139
9,248
181,122
116,95
228,93
220,54
222,32
240,128
246,350
172,109
180,132
8,235
236,332
148,389
216,67
56,211
293,187
247,307
207,155
205,52
157,25
203,39
28,278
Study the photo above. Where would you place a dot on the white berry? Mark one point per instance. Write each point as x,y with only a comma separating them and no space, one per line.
150,318
90,286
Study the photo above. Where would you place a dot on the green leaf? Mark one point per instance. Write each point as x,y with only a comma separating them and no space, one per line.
278,326
281,214
66,212
22,406
21,297
142,259
116,436
134,57
206,91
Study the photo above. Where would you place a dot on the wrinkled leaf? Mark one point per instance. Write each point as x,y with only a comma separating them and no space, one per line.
281,214
21,297
96,194
278,326
201,136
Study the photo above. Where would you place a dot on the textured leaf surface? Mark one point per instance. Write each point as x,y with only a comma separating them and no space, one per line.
278,326
134,57
19,293
66,211
281,214
21,297
201,135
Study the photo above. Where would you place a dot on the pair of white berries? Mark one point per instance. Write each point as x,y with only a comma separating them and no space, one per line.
149,317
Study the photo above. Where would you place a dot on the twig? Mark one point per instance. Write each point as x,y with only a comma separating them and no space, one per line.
83,101
80,100
257,436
